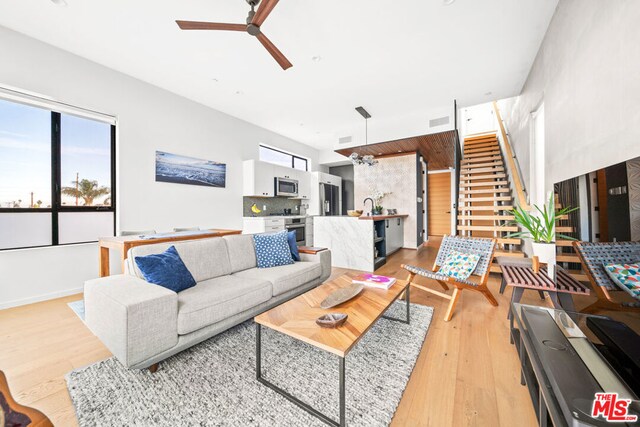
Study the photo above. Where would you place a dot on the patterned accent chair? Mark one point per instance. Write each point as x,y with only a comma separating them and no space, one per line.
469,245
593,256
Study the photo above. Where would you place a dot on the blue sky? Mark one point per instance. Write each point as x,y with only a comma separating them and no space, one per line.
25,153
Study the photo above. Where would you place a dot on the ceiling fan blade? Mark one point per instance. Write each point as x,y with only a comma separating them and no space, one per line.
264,10
196,25
273,50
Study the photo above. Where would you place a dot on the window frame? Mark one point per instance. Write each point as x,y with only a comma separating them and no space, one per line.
293,157
56,184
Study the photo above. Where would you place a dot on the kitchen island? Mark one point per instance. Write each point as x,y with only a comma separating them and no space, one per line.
359,243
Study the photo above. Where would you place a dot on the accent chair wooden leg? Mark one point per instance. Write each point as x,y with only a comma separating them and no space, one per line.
154,368
488,295
452,305
444,285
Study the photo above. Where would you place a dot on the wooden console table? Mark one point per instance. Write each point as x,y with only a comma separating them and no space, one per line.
124,243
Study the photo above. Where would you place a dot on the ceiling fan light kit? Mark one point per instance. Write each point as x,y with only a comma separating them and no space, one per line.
254,21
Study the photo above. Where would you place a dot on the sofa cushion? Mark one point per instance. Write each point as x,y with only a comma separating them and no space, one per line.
242,254
216,299
272,250
205,258
285,277
166,269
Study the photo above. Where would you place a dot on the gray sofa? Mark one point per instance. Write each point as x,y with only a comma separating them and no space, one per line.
142,323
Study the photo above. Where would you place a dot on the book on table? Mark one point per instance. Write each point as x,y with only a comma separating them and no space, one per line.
374,280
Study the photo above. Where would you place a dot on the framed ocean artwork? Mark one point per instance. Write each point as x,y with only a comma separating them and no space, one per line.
189,170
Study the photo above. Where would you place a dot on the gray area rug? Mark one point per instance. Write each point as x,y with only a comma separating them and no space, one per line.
78,308
214,384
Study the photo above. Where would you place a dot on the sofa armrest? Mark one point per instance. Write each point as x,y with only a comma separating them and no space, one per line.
323,257
133,318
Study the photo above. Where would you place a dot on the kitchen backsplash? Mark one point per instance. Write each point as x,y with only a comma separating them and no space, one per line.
273,204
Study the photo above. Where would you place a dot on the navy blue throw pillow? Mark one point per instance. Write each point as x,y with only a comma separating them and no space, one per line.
293,246
166,269
272,250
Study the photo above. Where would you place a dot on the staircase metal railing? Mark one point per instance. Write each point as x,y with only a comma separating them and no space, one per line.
513,166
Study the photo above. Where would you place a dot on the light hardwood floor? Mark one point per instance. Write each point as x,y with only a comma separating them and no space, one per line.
467,373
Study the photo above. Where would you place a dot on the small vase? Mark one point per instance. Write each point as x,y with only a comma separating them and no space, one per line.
376,212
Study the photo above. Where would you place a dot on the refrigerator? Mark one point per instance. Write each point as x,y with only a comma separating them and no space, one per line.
329,199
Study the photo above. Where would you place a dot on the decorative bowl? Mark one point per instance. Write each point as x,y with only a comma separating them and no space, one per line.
332,320
341,295
354,213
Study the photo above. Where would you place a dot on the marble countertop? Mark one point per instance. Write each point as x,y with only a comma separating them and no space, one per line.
369,218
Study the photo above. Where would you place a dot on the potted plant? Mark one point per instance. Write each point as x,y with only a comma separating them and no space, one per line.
377,197
540,228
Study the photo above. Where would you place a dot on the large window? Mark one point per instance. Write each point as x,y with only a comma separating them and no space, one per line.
56,177
272,155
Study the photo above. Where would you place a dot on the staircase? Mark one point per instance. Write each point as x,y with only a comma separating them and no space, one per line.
565,252
485,196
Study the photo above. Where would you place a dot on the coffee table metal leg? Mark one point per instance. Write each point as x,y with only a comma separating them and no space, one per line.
407,298
343,420
258,351
294,399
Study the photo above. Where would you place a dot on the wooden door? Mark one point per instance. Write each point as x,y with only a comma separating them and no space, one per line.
439,204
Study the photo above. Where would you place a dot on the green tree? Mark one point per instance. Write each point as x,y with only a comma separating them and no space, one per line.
86,190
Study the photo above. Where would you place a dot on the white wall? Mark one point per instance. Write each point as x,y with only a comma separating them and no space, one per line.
586,72
149,119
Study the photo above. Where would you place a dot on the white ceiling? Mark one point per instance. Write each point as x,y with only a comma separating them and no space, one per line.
395,58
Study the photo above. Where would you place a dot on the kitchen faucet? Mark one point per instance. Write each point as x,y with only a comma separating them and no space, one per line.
365,202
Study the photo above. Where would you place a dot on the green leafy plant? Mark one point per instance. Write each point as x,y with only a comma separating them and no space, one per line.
539,228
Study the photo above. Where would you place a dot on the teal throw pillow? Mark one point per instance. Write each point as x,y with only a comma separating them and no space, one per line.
459,265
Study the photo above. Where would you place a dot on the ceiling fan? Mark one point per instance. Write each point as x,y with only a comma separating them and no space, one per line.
254,22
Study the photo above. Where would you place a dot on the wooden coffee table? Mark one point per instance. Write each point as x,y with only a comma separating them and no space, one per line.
297,318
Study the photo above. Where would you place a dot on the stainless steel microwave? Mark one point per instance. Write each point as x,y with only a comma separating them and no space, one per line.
286,187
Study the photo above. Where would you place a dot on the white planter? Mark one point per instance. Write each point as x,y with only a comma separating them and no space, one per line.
546,252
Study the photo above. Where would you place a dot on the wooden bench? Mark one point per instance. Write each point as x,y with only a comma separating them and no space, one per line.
521,278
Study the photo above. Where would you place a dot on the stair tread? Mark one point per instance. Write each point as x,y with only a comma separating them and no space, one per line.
564,242
481,146
508,240
483,184
486,217
487,191
487,228
564,229
474,160
490,176
486,199
567,258
472,166
509,253
486,208
480,137
482,170
470,157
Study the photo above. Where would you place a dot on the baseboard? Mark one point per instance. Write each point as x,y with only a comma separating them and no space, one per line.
39,298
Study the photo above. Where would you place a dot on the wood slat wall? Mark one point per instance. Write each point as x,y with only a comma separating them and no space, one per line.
437,149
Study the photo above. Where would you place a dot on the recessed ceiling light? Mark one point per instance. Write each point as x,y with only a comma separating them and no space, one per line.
61,3
488,93
447,2
379,154
301,124
239,92
214,80
316,58
399,151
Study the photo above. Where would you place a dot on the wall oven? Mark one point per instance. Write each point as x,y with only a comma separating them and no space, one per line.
297,225
286,187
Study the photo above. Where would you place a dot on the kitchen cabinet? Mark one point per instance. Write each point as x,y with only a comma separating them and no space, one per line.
258,178
394,234
262,225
